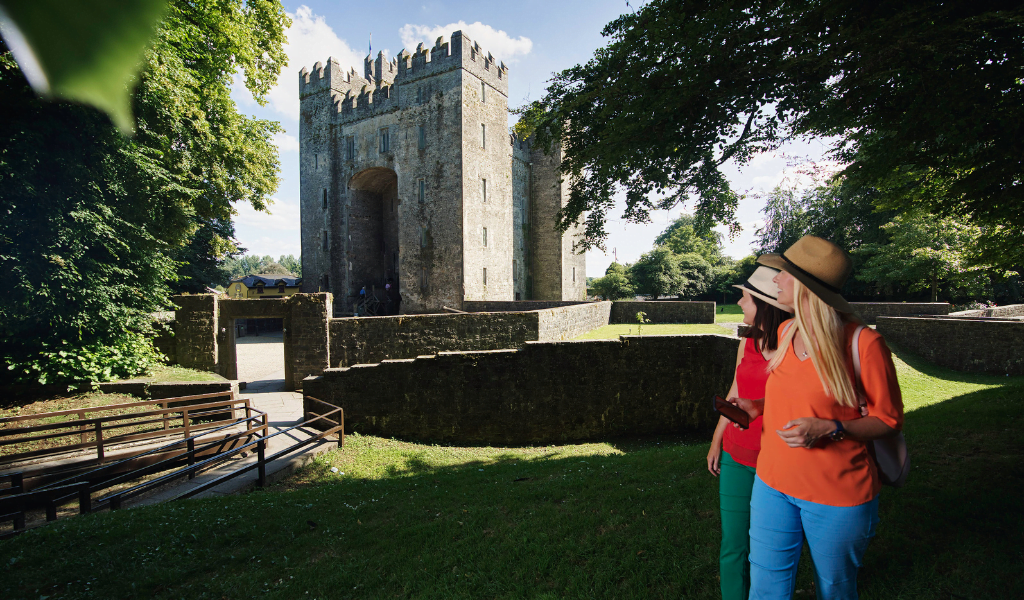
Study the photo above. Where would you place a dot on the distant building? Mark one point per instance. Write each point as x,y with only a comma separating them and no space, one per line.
408,175
263,286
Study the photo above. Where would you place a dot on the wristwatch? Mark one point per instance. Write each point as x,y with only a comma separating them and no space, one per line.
839,434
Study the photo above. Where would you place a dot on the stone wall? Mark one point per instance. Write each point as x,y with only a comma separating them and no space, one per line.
196,331
373,339
664,312
307,351
479,307
545,392
979,346
870,311
570,322
1008,311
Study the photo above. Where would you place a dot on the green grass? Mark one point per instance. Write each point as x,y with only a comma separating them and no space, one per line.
728,313
612,332
168,373
615,519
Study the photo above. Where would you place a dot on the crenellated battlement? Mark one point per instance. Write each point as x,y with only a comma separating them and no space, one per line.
380,73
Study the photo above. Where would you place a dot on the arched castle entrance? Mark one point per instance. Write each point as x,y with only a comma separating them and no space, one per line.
373,226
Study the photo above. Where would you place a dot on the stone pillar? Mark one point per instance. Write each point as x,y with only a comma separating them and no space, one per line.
306,337
196,331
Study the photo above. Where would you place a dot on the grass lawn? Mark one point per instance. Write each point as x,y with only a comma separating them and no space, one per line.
169,373
728,313
612,332
614,519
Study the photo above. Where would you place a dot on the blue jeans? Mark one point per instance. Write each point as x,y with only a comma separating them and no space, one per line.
837,536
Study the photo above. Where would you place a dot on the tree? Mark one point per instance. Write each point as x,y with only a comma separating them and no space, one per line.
656,273
95,218
292,264
682,238
925,252
696,275
924,99
615,284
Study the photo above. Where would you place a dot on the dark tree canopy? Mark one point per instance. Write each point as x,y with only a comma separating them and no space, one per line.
925,99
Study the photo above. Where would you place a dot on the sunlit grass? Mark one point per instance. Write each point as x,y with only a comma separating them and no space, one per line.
612,332
728,313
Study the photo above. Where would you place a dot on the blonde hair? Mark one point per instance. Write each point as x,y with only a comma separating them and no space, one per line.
827,350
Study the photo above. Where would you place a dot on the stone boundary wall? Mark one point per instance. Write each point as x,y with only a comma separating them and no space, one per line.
1008,311
478,306
995,347
195,328
870,311
570,322
542,393
357,340
663,311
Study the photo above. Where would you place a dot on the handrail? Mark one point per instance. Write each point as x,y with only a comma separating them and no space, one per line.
71,411
99,425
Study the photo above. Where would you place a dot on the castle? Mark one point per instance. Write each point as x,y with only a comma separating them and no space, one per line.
408,174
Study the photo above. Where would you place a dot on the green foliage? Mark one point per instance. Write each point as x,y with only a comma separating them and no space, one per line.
925,101
641,318
923,252
661,272
681,237
614,285
251,264
96,224
130,354
87,51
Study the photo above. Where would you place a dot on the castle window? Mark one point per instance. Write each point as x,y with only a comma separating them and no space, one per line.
323,240
485,275
421,137
483,190
483,135
327,283
422,191
423,278
323,202
419,95
385,142
574,274
485,237
316,162
350,148
483,92
423,237
515,272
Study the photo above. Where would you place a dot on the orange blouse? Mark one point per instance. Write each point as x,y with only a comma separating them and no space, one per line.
833,473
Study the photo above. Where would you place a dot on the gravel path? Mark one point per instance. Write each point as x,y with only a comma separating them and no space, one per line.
260,355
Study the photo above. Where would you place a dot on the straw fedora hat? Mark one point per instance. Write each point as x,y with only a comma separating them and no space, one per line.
819,264
760,284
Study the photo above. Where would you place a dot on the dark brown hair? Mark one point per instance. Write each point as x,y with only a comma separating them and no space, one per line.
765,329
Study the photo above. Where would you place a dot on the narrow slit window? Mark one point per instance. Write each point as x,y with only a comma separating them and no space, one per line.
574,274
419,95
323,239
483,135
485,275
385,142
483,92
483,190
485,237
421,137
422,191
350,148
423,278
323,201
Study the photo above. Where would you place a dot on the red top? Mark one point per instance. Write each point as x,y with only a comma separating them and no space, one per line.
751,377
833,473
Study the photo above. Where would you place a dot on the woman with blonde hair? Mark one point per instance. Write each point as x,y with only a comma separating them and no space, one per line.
733,453
816,478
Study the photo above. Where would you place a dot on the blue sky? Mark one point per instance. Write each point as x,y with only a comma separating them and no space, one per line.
534,38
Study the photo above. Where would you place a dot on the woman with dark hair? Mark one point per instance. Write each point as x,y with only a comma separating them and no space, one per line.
733,453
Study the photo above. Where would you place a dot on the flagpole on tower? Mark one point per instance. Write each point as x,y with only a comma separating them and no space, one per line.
371,45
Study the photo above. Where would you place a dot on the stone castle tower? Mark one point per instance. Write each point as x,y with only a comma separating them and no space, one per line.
408,173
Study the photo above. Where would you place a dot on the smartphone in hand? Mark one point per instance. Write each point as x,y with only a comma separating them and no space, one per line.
731,411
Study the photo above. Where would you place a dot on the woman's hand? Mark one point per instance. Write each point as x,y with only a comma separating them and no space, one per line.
715,459
754,408
805,432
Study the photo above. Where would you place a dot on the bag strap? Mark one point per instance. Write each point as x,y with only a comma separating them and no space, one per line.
861,399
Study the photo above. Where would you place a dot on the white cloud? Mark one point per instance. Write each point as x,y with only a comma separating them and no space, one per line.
500,44
282,217
285,142
310,40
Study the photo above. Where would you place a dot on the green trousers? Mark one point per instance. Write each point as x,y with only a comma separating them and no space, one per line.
734,485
